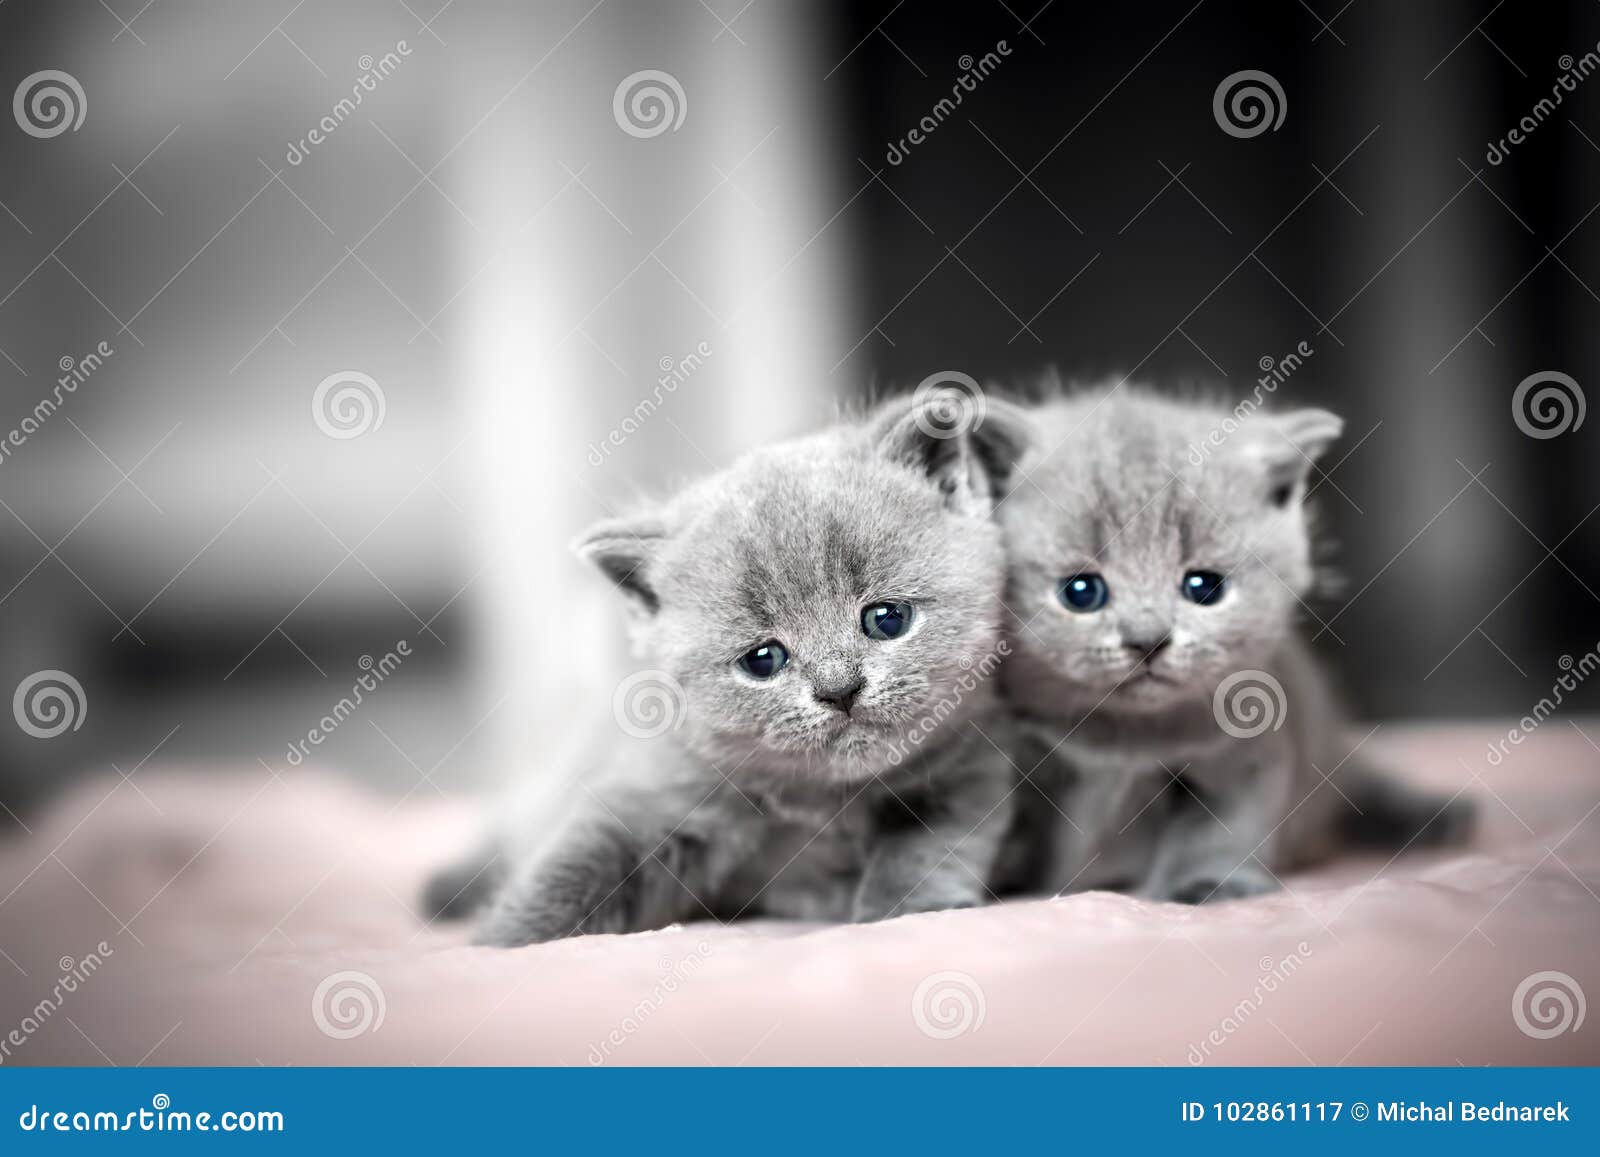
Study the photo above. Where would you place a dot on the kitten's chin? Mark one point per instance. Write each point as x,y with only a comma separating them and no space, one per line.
1140,693
862,751
1148,691
849,754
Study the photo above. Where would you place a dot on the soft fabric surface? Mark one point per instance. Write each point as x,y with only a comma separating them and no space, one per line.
227,901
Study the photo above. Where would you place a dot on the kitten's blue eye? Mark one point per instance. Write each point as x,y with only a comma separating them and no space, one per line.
887,620
1082,592
765,661
1204,586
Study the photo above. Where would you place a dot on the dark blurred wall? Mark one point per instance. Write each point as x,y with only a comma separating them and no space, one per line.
1082,207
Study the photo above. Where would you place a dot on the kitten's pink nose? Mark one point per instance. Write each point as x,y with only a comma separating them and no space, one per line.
840,695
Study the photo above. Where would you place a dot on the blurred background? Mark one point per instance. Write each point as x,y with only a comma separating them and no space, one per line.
325,327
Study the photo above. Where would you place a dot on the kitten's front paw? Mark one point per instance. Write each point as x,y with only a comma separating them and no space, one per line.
514,930
1239,886
519,919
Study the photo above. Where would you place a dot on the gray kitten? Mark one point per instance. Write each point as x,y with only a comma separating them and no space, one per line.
821,619
1160,551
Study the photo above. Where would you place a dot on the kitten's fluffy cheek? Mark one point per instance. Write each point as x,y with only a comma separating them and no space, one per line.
896,696
1092,653
1218,641
728,704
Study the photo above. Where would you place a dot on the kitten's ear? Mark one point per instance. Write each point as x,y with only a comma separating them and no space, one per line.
625,550
966,444
1287,445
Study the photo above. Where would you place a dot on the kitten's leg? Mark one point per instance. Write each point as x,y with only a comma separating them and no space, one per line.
940,849
1217,843
598,878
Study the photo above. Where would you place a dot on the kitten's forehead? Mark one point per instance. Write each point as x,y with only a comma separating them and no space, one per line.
776,540
1123,476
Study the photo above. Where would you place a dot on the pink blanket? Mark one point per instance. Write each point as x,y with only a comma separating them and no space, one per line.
254,918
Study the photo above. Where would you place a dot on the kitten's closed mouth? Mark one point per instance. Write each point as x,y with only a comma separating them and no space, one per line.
1144,674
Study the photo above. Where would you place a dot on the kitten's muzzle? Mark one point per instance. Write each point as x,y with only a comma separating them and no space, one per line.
840,695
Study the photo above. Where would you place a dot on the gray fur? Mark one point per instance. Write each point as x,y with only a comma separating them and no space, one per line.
765,800
1162,801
